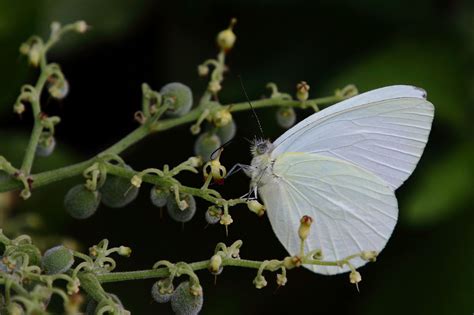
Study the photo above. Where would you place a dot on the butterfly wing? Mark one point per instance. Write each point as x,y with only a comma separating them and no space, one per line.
383,131
352,209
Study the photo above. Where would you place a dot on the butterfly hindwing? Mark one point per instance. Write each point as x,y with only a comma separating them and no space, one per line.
353,210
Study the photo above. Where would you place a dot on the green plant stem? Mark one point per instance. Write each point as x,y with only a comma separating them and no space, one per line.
48,177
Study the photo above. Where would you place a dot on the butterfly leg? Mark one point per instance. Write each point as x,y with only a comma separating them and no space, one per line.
239,167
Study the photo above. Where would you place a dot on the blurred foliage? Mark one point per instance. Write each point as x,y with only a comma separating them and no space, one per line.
427,265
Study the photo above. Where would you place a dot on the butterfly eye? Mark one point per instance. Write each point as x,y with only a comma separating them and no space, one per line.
261,148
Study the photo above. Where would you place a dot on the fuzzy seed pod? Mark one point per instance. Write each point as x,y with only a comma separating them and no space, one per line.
226,132
182,98
206,144
213,215
117,192
176,213
286,117
46,147
57,260
183,302
80,202
159,197
161,295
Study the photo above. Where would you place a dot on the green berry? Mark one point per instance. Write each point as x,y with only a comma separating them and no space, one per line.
161,295
226,132
46,147
179,214
81,202
57,260
183,302
286,117
206,144
117,192
159,197
182,98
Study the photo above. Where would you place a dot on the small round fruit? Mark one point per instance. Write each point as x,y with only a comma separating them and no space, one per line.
206,144
185,214
46,147
286,117
57,260
213,215
182,98
159,197
81,202
158,296
226,132
117,192
183,302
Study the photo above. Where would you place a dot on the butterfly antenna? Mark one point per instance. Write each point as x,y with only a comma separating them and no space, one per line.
253,110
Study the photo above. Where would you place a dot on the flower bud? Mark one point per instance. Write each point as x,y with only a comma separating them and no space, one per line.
222,117
305,225
182,98
19,108
226,38
226,219
203,70
260,282
136,181
214,86
355,277
291,262
117,191
159,197
206,144
81,26
73,286
80,202
183,302
34,54
369,255
215,264
57,260
178,214
281,280
302,89
14,309
125,251
256,207
286,117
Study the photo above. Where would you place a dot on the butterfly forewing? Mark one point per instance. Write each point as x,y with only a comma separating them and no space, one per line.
383,131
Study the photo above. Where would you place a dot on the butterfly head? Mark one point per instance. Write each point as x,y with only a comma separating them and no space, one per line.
261,147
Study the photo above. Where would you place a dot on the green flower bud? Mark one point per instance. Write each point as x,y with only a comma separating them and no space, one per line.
302,91
34,254
182,98
162,293
206,144
45,147
159,197
117,192
286,117
178,214
226,132
81,202
226,38
183,302
57,260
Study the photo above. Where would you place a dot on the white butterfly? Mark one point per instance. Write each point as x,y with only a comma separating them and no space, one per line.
341,166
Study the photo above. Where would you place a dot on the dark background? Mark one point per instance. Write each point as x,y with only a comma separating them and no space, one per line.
427,266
